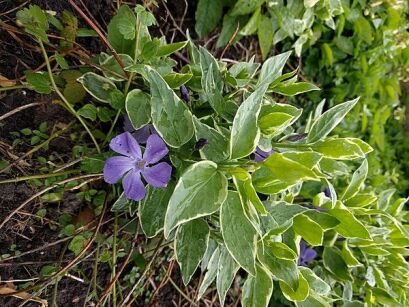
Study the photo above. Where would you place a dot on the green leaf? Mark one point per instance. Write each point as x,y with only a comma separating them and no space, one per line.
257,290
115,37
199,192
35,21
61,61
117,99
225,274
240,236
282,251
334,263
300,294
211,273
338,148
329,120
168,49
208,14
243,7
323,219
265,34
97,86
327,54
273,68
230,25
282,269
357,180
308,229
170,115
122,204
349,227
245,131
175,80
252,25
88,111
39,82
316,284
190,246
127,26
247,192
274,119
77,244
217,148
138,108
348,256
292,89
279,173
113,70
152,209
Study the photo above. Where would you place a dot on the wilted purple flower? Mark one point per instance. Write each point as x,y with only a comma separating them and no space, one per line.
260,155
306,254
127,124
142,134
132,164
184,93
201,143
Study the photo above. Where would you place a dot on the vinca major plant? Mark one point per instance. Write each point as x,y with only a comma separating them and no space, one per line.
234,179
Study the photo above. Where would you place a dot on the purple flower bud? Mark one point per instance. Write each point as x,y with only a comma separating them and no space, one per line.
201,143
327,193
184,93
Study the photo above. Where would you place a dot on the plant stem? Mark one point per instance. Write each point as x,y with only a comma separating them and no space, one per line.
41,176
14,87
114,256
67,104
128,82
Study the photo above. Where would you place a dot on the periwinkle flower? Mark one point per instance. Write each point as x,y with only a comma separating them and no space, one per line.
261,155
184,93
142,134
132,164
306,254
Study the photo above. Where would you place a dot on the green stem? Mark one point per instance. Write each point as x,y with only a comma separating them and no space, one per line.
24,178
128,82
67,104
14,87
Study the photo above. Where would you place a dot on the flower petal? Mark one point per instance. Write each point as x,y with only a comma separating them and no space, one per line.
126,145
116,167
155,149
309,255
158,175
142,134
133,185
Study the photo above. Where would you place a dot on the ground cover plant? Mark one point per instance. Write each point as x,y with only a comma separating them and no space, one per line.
348,48
206,164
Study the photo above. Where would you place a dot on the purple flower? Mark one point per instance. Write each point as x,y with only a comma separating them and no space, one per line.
127,124
132,164
306,254
261,155
184,93
142,134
